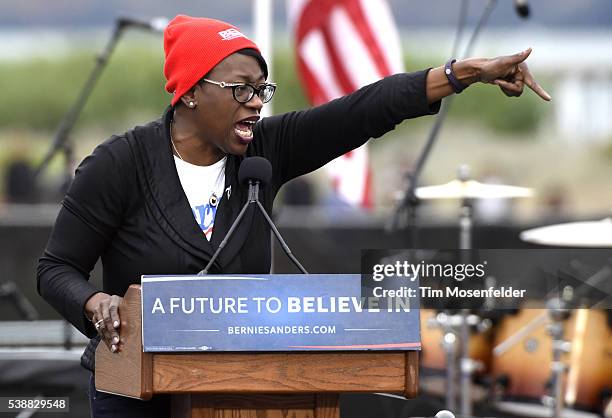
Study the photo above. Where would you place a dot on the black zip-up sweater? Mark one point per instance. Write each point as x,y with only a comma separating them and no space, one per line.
126,204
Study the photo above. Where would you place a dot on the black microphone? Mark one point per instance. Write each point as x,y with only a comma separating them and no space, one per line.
256,169
522,8
157,24
256,172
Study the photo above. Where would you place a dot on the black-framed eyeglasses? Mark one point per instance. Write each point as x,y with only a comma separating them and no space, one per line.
243,92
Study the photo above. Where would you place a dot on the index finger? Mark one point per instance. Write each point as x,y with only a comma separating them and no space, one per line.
533,85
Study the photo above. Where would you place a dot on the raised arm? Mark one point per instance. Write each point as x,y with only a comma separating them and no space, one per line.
300,142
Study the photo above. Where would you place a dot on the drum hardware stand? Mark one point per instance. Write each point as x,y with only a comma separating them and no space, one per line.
449,343
467,366
558,314
450,346
456,328
466,213
459,365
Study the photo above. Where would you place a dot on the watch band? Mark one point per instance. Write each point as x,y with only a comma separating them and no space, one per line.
452,79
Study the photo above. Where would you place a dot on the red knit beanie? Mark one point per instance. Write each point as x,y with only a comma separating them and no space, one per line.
193,46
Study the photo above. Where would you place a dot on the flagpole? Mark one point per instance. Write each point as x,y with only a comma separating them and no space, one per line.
262,23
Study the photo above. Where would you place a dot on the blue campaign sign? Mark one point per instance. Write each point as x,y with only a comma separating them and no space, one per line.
275,313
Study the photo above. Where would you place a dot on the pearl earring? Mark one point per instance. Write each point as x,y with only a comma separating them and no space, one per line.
191,105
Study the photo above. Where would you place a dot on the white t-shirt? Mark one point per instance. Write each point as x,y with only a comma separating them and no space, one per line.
203,186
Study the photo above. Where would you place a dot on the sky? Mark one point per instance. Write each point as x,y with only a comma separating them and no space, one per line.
408,13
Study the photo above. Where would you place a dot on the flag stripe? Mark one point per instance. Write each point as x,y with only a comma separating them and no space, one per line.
380,18
352,50
313,50
343,78
343,45
365,30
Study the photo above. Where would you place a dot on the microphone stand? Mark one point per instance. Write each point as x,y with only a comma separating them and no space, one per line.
410,201
253,198
60,142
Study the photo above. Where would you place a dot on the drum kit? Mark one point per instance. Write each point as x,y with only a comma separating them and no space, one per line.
540,362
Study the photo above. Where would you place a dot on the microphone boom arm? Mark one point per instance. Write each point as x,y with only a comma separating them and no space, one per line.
60,141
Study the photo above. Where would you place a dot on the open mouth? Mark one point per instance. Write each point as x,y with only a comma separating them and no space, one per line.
244,129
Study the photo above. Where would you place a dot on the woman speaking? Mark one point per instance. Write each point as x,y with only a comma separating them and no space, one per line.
160,198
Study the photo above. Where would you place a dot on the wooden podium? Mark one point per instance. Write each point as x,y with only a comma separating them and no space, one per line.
250,384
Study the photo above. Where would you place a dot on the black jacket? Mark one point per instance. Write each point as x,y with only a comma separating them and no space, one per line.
126,204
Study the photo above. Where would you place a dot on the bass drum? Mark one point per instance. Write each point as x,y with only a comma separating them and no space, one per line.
525,366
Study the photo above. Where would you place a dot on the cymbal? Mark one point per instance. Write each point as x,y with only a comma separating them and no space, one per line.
472,189
572,234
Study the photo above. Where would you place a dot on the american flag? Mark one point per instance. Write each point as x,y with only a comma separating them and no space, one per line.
341,46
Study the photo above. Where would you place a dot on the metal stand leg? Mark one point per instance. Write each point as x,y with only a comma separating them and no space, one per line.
558,314
449,344
557,368
466,367
460,367
465,227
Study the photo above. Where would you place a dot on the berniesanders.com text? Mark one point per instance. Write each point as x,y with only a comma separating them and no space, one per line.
282,329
